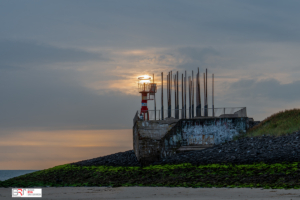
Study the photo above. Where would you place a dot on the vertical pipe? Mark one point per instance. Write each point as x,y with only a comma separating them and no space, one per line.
174,79
196,93
192,88
199,93
175,100
162,96
189,81
188,88
182,103
168,94
175,88
154,102
191,112
177,95
213,103
206,94
171,90
174,82
185,95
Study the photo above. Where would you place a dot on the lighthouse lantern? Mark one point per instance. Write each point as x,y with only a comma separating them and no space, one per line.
148,90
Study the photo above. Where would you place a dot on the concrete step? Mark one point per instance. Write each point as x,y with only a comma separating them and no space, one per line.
193,147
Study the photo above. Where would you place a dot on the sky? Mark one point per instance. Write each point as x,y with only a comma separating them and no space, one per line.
68,69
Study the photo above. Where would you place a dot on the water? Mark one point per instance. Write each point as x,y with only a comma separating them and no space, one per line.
7,174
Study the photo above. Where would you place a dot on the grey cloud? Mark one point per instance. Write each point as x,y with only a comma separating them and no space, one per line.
50,99
194,57
198,54
261,97
242,30
10,68
135,24
257,21
17,53
270,89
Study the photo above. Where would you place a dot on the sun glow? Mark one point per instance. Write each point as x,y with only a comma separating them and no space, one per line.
144,79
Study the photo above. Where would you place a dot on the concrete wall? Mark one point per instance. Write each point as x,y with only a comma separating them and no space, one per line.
212,130
147,137
159,139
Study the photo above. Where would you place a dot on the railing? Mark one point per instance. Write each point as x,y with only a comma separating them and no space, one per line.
189,114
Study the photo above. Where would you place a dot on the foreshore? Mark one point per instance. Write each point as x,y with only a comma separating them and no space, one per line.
159,193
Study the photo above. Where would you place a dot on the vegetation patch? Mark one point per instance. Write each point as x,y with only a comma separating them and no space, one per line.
281,123
281,175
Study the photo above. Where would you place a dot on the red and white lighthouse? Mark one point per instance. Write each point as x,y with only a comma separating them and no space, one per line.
148,90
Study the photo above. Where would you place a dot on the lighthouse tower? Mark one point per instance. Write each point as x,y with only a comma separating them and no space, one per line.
148,90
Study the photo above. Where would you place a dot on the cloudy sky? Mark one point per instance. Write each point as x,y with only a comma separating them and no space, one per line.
68,69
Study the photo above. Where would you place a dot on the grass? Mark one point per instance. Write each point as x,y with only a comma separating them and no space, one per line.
278,124
281,175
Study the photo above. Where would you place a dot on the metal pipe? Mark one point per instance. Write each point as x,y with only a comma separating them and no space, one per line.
175,96
177,102
185,95
190,113
182,103
169,108
206,94
213,100
162,96
196,93
154,102
199,93
192,88
169,95
197,96
171,88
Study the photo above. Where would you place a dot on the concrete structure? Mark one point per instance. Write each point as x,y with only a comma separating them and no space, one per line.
182,130
153,140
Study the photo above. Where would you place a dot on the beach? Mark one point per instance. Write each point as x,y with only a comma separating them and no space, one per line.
160,193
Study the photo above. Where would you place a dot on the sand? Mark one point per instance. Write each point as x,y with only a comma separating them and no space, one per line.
163,193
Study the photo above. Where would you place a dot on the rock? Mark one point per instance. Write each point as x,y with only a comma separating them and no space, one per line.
243,151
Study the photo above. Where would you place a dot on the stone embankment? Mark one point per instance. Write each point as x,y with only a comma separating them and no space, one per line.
125,159
267,149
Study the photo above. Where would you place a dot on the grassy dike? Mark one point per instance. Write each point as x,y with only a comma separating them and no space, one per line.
281,123
283,175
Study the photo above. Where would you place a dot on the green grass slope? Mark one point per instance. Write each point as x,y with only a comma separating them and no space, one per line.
281,123
284,175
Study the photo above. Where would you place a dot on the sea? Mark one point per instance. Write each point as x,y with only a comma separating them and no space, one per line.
7,174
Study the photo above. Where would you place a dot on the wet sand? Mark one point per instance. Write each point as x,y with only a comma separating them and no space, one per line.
163,193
